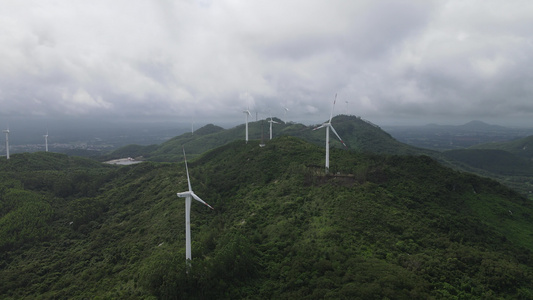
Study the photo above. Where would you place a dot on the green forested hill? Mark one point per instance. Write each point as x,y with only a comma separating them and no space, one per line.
491,160
360,135
384,226
521,147
509,163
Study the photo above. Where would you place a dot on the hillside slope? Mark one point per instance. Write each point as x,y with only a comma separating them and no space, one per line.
360,135
495,161
399,227
508,162
521,147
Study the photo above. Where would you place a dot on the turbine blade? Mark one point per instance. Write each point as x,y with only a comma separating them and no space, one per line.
187,169
200,200
331,115
321,126
333,129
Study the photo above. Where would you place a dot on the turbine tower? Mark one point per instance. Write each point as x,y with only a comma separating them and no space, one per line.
271,121
46,141
188,199
247,113
262,136
328,127
7,142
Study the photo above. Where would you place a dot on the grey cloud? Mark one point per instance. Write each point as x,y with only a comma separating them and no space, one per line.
164,59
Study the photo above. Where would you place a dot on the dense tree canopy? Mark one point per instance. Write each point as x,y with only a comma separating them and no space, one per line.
375,227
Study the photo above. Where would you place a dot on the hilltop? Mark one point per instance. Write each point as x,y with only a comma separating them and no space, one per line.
383,226
360,135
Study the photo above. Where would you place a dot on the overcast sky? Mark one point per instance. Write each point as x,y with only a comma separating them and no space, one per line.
389,61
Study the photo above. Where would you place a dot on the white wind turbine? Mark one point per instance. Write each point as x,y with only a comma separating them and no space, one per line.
188,199
247,113
46,141
7,141
271,121
328,127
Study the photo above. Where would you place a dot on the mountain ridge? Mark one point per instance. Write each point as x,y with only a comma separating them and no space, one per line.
377,226
359,134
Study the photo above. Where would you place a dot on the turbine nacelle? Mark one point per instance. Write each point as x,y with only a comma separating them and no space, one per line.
272,121
194,196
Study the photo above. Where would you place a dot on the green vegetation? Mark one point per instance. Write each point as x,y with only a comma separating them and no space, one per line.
494,161
360,135
510,162
377,227
520,147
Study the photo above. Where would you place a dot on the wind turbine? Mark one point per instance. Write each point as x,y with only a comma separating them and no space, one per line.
247,113
7,142
188,199
46,141
271,121
328,127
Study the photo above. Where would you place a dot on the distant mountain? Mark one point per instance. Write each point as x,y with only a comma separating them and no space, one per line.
381,227
474,125
360,135
208,129
522,147
449,137
481,126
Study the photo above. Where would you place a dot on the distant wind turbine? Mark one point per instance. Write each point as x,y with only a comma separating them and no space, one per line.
285,110
247,113
328,127
46,141
7,142
271,121
188,199
347,110
262,136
